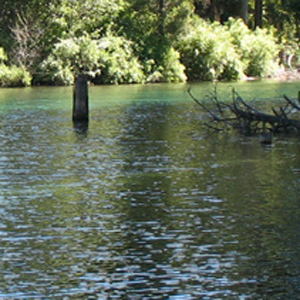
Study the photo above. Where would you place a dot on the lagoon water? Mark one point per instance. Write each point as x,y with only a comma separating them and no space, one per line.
145,203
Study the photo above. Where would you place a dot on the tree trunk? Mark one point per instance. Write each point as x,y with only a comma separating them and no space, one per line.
162,16
258,13
217,10
244,10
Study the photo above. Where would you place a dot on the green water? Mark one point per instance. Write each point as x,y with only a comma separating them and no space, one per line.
61,97
145,204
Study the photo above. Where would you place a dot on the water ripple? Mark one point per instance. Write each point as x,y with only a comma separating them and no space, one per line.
136,208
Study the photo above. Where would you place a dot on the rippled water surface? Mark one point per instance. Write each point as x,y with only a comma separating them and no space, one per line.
144,204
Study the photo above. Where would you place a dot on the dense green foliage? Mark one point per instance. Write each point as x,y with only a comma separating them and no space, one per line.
231,51
12,75
208,53
135,41
256,49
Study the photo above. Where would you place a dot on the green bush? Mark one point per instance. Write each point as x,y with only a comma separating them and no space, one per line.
118,61
69,56
170,69
212,51
108,60
257,49
12,75
208,53
3,56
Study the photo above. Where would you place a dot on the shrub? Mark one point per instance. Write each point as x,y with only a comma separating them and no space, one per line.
12,75
257,49
118,62
70,56
108,60
3,56
170,69
213,51
208,53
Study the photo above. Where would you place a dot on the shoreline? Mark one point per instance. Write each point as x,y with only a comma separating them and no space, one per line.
283,75
287,75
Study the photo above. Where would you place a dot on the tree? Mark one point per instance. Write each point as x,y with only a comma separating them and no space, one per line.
12,75
244,10
258,13
74,18
28,35
153,26
146,35
222,10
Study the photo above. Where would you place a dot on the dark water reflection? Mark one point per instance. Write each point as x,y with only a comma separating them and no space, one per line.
145,205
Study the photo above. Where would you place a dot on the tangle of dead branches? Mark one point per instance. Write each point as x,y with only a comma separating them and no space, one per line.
247,119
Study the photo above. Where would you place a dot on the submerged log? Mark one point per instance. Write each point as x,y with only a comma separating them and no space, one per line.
247,119
80,99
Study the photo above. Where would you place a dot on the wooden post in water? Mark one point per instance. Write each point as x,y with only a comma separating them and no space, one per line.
81,100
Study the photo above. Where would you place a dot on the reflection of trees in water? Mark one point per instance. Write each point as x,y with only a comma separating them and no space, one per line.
170,219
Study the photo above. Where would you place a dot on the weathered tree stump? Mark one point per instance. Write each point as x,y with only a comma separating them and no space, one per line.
81,99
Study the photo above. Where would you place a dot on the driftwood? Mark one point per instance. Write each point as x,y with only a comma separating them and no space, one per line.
247,119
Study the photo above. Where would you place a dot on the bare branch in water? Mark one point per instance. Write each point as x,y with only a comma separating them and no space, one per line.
247,119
